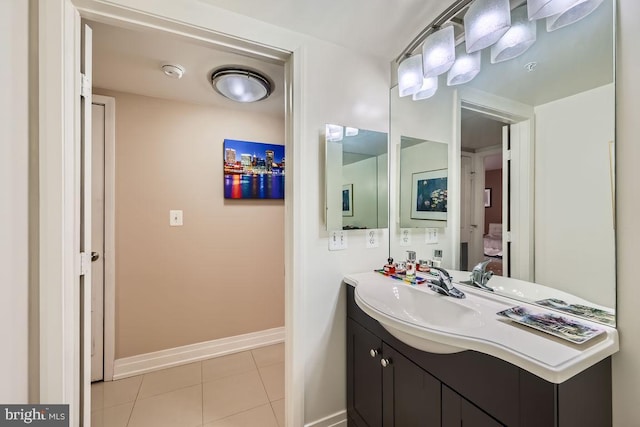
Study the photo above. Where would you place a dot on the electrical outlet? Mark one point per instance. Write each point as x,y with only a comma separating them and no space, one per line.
337,240
175,218
372,239
405,237
431,236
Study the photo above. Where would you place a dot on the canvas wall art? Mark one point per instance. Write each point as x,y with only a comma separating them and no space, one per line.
253,170
429,195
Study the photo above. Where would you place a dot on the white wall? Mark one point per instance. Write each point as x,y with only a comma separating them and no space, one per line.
429,120
573,193
364,177
14,169
626,364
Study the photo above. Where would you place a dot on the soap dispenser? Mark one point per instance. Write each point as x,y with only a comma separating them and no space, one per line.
411,264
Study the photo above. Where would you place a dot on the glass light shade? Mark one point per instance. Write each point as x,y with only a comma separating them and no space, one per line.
335,133
410,75
485,22
241,85
537,9
438,52
351,131
466,67
517,40
579,10
427,90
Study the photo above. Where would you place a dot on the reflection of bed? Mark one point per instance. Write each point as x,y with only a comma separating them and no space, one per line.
493,241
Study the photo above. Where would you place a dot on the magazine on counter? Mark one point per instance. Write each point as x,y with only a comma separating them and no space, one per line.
554,324
590,313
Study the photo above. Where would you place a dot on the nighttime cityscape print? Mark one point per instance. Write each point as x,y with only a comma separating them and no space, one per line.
253,170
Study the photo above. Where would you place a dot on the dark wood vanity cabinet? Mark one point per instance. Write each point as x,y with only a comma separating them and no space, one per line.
390,384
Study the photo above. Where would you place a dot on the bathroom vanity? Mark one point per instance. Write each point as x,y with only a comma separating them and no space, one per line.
390,383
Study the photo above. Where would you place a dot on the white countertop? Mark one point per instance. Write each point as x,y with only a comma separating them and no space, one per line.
551,358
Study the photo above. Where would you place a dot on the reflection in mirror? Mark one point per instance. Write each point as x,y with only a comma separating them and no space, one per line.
531,169
423,183
356,178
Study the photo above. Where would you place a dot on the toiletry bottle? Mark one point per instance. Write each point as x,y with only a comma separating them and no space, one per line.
411,264
389,267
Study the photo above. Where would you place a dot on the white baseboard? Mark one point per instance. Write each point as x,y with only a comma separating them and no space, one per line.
149,362
339,419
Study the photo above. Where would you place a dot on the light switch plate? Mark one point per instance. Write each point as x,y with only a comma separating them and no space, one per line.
175,218
372,239
337,240
431,236
405,237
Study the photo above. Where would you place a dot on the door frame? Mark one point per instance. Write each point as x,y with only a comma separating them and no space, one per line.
109,254
512,112
57,124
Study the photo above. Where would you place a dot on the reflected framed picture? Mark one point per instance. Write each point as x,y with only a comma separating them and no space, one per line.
253,170
487,197
429,195
347,200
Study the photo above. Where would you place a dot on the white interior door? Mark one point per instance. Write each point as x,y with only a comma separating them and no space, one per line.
85,226
97,241
466,209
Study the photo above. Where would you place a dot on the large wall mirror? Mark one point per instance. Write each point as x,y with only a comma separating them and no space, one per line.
531,166
356,178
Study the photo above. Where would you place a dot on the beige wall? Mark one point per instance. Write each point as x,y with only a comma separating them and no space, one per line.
222,273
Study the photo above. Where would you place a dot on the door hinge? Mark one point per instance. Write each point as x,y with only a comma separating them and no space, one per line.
508,236
507,154
85,263
85,86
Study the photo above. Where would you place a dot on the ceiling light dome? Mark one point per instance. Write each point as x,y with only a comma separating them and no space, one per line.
241,84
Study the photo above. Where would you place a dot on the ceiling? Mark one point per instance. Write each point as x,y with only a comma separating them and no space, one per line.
129,61
379,27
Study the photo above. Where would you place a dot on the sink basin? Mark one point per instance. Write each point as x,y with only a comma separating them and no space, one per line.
412,314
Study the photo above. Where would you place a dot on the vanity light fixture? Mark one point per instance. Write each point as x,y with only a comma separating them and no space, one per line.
410,75
485,22
241,84
537,9
466,67
438,52
576,12
428,89
517,39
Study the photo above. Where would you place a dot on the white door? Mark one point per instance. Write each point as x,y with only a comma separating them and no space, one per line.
97,241
466,210
85,226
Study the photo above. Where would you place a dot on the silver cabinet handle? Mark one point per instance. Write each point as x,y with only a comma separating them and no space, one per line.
385,362
374,352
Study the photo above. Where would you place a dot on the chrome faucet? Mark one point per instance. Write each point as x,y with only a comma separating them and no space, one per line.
443,284
480,276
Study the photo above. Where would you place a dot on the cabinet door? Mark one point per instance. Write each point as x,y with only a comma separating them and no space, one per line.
459,412
411,395
364,376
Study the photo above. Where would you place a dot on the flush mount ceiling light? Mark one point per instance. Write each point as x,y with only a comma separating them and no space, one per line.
438,52
517,39
575,12
537,9
410,75
485,22
174,71
466,67
240,84
428,89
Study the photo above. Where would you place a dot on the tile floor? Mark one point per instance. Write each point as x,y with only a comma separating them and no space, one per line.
239,390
